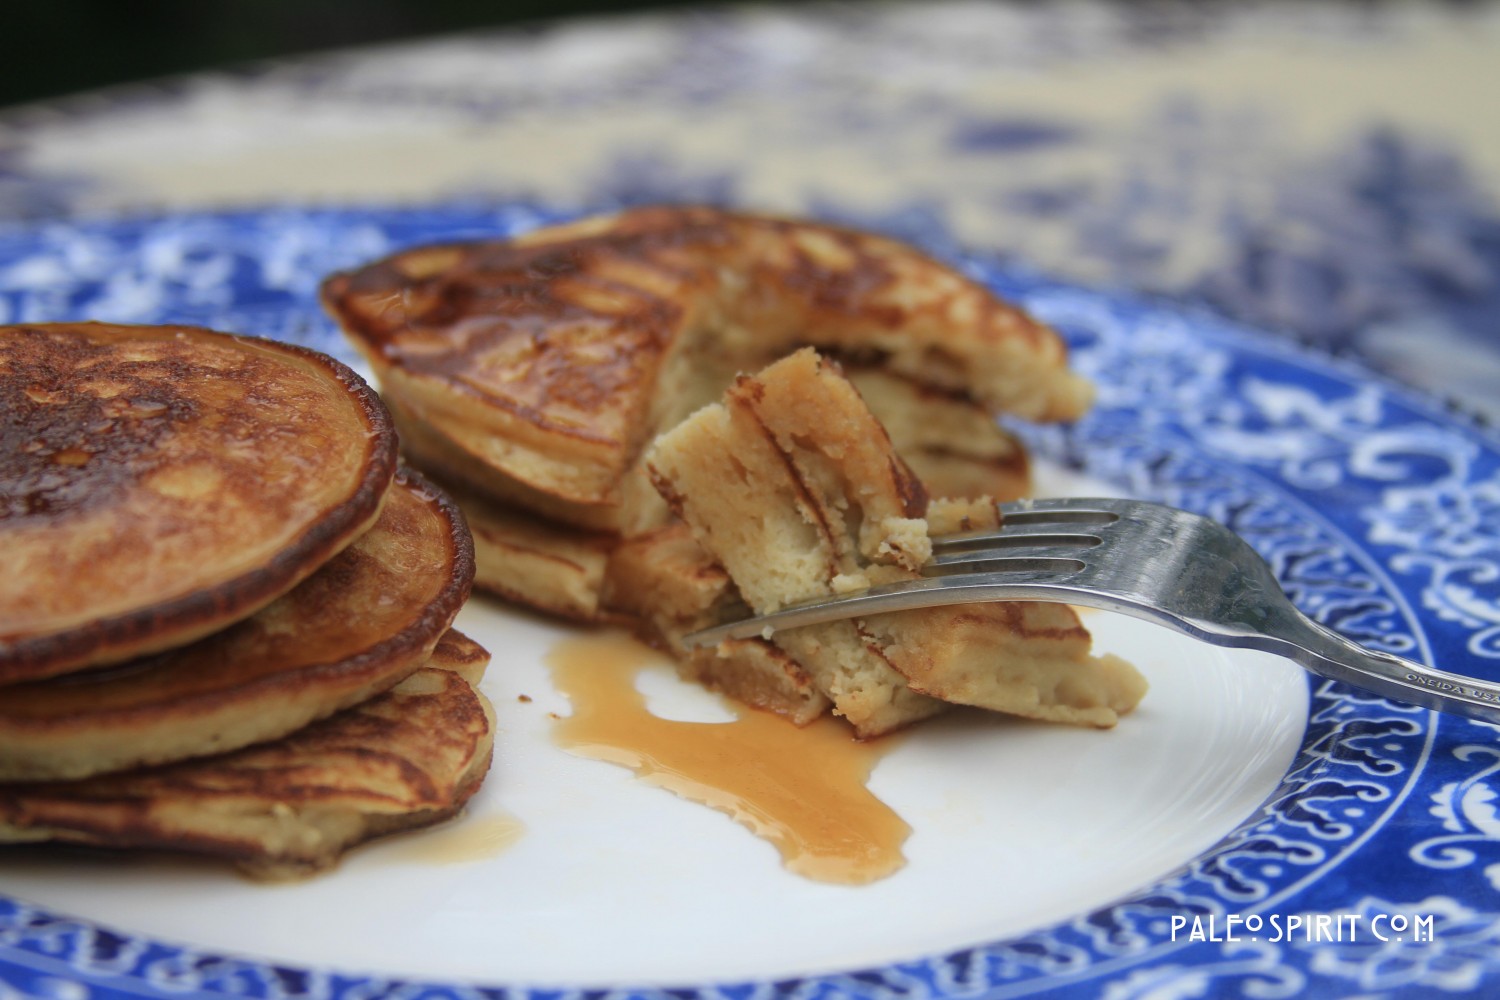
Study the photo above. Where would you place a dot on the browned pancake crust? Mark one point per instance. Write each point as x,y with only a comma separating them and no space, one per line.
158,483
557,355
455,651
426,447
410,757
363,621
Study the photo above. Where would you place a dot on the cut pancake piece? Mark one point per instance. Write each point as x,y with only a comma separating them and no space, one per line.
1029,658
159,483
794,488
788,527
665,576
409,757
554,358
428,448
669,586
367,618
458,653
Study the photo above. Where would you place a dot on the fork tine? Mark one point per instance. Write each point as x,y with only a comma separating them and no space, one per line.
1041,522
1110,505
953,547
1043,517
1048,548
1058,562
1037,581
1101,510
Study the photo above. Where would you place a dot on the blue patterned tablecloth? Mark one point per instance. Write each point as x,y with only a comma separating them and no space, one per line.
1153,178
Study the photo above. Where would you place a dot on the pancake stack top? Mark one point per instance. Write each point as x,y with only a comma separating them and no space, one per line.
215,575
550,361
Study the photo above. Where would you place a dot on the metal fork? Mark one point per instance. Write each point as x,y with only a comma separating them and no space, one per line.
1158,563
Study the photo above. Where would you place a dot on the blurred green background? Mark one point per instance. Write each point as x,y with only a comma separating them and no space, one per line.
58,47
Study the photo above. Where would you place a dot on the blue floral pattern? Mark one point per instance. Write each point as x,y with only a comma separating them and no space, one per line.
1380,512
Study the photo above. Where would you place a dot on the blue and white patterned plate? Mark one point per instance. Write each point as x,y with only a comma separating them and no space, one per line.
1379,510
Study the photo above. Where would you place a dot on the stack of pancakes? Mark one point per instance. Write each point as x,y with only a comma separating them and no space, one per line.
225,618
533,374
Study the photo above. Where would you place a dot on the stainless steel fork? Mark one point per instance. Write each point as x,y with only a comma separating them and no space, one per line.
1165,565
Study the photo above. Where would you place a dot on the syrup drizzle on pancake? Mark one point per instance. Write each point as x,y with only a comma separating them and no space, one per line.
803,790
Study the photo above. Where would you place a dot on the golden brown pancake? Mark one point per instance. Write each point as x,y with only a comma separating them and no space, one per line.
1027,658
367,618
456,652
158,483
468,475
535,562
409,757
795,489
952,444
554,358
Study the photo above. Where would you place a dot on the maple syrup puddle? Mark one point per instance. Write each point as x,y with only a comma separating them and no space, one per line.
803,790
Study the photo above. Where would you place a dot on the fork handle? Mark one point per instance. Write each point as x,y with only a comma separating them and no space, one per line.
1328,654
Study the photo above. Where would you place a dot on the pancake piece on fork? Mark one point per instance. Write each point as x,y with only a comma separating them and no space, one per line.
159,483
793,487
359,624
409,757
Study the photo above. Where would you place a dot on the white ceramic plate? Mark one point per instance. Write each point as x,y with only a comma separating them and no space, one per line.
1016,825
